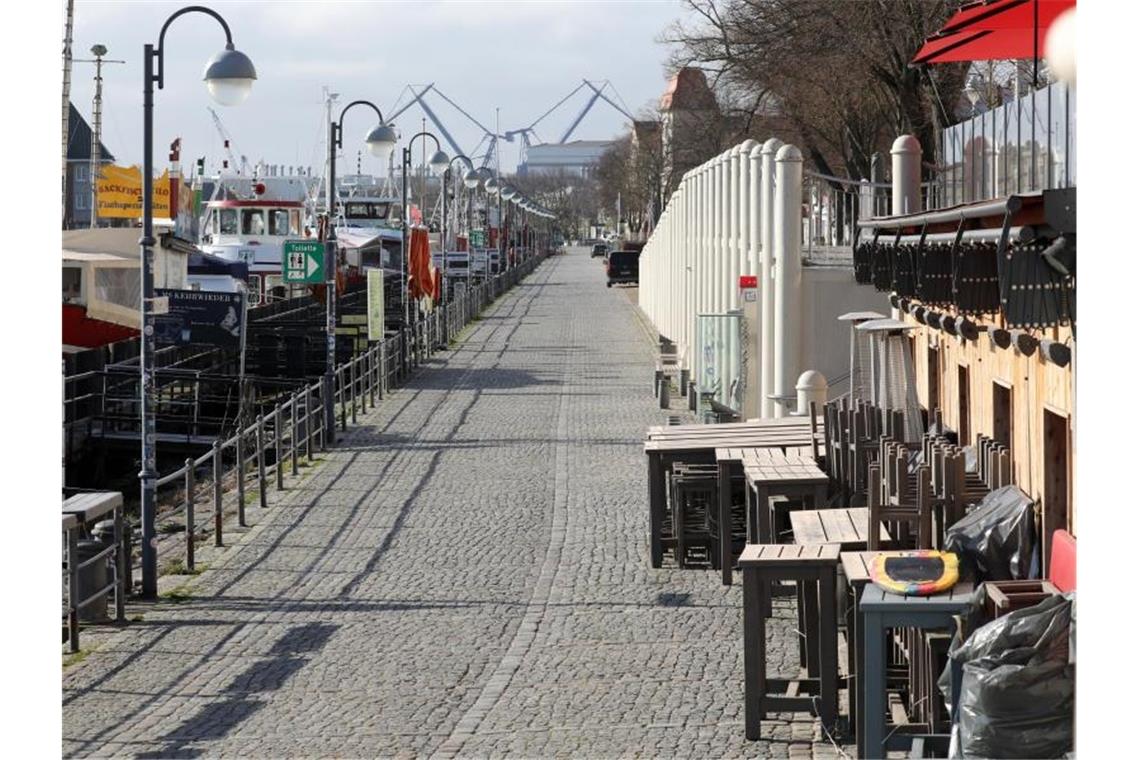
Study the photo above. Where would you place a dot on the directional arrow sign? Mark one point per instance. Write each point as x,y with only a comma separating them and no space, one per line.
303,262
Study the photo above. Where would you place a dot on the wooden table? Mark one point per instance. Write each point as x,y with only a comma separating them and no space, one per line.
698,444
857,574
881,610
846,527
792,472
813,569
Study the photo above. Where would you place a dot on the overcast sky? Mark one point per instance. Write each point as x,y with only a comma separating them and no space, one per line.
520,56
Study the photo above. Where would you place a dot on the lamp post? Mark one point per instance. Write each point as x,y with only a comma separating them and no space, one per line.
470,180
439,163
380,140
229,77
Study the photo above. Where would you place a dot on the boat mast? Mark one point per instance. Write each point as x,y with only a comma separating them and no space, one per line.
66,102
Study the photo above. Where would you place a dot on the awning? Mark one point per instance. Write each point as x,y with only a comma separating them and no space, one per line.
992,30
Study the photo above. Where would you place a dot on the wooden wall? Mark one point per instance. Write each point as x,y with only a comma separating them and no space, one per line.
1038,386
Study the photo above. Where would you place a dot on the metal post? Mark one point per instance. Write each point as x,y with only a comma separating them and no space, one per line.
217,492
343,393
73,589
123,580
261,496
189,514
293,434
353,377
278,466
310,429
147,474
239,452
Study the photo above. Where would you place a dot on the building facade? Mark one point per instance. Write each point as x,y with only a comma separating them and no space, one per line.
79,180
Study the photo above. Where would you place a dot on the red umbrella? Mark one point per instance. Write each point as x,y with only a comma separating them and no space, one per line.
993,29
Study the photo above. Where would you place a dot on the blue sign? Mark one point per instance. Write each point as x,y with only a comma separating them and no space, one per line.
200,316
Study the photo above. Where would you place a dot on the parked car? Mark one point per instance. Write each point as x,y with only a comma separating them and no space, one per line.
600,249
622,267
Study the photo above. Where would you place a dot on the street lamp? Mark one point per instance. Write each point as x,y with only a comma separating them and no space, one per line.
229,77
469,174
380,140
438,163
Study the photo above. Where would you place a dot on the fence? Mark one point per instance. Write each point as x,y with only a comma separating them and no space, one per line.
296,428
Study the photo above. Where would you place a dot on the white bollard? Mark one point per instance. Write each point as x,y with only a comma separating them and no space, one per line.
788,231
767,286
906,176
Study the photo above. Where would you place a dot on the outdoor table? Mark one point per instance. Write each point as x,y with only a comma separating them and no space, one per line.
89,507
856,574
846,527
813,570
779,474
880,611
682,443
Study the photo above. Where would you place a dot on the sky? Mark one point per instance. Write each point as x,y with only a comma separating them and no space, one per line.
522,57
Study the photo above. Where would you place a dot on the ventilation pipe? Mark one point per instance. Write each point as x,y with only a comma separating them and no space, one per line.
788,225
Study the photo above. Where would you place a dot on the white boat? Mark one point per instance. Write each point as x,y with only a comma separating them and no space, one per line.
249,220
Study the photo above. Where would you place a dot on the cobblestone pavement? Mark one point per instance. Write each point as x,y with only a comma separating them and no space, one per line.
466,574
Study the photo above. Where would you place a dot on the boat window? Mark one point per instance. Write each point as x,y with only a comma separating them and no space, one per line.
118,285
254,292
279,221
252,221
228,221
72,277
295,222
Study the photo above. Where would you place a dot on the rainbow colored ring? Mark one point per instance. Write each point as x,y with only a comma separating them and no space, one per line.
946,580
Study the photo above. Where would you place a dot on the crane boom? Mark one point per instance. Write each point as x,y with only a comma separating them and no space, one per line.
226,142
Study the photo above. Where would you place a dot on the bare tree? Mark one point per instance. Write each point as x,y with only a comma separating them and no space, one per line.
831,76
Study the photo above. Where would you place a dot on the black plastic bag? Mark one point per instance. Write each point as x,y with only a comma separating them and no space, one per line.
996,541
1018,686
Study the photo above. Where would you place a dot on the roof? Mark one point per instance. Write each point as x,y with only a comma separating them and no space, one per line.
688,90
79,138
116,242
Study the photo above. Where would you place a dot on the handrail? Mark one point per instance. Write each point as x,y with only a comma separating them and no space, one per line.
292,425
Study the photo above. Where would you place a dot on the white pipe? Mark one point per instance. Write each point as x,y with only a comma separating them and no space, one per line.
788,235
749,263
767,301
906,175
733,247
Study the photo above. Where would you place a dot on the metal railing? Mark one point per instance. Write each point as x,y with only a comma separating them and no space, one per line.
834,205
295,428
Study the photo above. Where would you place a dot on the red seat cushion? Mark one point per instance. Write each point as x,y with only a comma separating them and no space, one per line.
1063,561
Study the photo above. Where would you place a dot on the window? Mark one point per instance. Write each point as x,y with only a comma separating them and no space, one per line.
252,221
1056,508
254,292
278,221
228,221
83,200
1003,415
294,222
933,389
963,405
72,284
118,285
82,172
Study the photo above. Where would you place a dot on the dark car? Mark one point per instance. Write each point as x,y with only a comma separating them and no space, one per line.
622,266
600,249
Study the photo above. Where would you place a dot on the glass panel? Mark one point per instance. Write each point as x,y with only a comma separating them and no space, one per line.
252,222
1042,159
1058,135
72,277
1000,152
118,286
229,222
1072,138
294,222
279,221
1025,144
719,375
956,168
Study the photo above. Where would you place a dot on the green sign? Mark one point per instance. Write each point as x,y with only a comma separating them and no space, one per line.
477,238
303,262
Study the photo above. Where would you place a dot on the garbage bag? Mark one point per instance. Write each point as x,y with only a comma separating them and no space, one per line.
1018,684
997,540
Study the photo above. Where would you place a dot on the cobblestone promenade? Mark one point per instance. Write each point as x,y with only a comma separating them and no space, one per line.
465,574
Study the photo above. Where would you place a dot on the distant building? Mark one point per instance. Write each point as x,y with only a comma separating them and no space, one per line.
78,182
691,123
577,158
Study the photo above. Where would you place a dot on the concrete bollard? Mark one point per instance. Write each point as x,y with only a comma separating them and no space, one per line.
811,388
906,175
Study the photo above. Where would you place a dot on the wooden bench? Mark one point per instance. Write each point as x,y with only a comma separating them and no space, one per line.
813,569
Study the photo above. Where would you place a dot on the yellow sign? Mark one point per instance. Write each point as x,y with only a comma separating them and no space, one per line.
119,193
